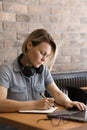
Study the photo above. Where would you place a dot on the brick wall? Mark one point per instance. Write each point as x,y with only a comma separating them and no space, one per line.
66,20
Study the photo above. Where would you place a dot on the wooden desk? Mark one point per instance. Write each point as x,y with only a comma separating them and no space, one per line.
29,122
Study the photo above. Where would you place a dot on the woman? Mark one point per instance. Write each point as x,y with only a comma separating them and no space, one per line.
22,81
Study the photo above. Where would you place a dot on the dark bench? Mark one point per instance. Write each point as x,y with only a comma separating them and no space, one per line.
70,83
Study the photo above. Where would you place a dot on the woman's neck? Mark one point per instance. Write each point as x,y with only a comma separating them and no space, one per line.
25,61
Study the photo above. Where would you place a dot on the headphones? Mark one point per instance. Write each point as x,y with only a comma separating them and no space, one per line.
27,70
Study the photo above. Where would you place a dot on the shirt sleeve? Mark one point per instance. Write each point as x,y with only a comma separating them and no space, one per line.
48,76
4,76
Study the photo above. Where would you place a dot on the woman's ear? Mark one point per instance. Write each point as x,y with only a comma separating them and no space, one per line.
29,45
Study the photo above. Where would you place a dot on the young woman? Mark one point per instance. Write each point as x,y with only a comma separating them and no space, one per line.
22,81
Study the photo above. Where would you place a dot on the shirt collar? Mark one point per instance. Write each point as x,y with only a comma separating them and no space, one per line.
16,65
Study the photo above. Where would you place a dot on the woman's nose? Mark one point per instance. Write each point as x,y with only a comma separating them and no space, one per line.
44,58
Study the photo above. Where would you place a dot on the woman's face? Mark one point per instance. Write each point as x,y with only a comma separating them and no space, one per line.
38,55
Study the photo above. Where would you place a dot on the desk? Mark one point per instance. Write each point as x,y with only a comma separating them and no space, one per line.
29,122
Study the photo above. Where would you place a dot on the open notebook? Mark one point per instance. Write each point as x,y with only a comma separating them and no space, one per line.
51,110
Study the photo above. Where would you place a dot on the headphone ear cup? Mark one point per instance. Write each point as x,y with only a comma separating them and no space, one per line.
27,71
39,70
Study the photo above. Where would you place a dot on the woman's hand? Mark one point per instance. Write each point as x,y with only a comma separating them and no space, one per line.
45,103
81,106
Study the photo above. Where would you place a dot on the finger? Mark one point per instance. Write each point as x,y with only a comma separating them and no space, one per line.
51,100
80,106
49,103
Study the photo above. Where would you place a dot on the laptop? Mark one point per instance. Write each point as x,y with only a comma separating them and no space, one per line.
70,114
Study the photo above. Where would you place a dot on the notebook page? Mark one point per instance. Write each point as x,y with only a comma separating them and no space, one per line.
52,109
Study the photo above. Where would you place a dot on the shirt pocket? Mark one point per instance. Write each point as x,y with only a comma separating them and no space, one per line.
18,94
39,89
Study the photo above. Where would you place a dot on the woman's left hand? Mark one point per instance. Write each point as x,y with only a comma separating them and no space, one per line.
81,106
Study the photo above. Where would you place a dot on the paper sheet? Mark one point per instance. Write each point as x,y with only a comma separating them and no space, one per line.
52,109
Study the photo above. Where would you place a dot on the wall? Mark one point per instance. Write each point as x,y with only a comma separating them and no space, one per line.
66,20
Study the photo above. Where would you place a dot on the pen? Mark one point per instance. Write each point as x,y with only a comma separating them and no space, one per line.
43,96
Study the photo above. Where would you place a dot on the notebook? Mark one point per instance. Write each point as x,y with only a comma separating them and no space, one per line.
70,114
51,110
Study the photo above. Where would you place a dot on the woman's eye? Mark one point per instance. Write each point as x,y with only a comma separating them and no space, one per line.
43,53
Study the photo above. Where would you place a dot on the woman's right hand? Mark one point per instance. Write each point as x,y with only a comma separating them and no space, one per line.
45,103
